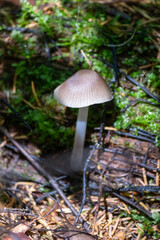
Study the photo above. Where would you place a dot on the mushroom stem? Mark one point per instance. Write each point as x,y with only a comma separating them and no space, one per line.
79,139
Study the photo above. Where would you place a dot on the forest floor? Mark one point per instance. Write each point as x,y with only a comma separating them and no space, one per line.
122,193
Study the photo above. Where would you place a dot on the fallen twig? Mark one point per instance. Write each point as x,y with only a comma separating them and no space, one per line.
16,114
143,133
108,188
134,136
135,101
133,204
84,183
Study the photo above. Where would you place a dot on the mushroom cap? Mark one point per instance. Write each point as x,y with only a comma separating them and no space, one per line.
86,87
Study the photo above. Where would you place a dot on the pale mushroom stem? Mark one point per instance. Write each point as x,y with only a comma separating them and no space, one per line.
79,139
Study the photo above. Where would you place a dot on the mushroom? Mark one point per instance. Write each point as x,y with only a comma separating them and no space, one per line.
86,87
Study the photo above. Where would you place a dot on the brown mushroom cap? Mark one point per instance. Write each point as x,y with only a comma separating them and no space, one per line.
84,88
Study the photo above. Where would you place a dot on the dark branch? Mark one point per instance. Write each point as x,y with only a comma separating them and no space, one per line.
130,79
16,114
135,101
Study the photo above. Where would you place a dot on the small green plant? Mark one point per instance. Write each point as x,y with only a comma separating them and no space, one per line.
146,225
